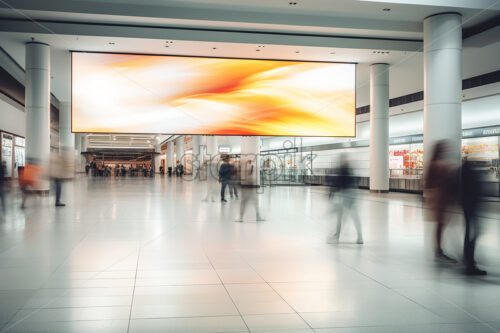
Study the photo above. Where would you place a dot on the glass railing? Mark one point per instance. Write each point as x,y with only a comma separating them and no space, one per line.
288,176
406,173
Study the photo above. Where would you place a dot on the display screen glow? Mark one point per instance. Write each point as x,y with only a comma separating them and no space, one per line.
129,93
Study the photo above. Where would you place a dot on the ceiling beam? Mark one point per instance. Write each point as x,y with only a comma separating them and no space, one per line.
207,35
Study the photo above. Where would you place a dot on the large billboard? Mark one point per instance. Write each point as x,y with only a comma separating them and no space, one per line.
133,93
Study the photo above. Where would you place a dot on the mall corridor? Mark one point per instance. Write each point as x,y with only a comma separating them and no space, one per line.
148,255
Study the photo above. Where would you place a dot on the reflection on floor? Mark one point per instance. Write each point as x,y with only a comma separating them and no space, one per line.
147,255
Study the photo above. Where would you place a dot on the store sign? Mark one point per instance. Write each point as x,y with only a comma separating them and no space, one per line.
406,139
479,132
19,141
224,149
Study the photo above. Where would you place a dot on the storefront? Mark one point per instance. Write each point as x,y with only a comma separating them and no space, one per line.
12,153
479,145
284,166
406,157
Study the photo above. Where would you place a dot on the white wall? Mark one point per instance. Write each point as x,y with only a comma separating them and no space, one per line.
12,116
406,75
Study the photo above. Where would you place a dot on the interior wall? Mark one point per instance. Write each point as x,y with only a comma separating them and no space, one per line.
407,75
12,117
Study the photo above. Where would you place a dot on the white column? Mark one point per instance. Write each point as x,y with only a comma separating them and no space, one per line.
37,104
157,158
66,138
203,148
83,149
212,148
77,147
379,128
197,158
179,150
250,150
443,84
170,155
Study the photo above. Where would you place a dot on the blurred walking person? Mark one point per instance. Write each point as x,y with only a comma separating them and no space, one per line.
61,169
249,191
209,173
438,195
225,175
346,201
470,199
29,177
233,190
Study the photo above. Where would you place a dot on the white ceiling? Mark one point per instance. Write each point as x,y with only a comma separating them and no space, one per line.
14,44
124,141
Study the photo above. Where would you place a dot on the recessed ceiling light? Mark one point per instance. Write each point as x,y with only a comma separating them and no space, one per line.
386,9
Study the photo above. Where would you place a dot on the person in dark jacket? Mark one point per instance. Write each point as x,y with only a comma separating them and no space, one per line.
470,200
345,186
225,176
438,195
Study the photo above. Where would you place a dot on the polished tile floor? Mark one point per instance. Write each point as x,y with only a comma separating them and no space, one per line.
148,255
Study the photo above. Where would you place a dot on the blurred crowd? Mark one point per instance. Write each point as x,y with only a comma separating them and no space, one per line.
446,187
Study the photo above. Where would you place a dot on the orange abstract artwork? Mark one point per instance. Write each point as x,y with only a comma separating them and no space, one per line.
128,93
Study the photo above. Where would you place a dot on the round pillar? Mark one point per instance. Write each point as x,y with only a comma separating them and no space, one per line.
179,150
66,138
212,148
157,158
443,84
379,128
197,158
83,149
37,105
170,155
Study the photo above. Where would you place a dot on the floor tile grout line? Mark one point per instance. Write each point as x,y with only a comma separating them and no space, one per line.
133,290
485,323
225,288
96,273
404,296
6,325
421,305
266,282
